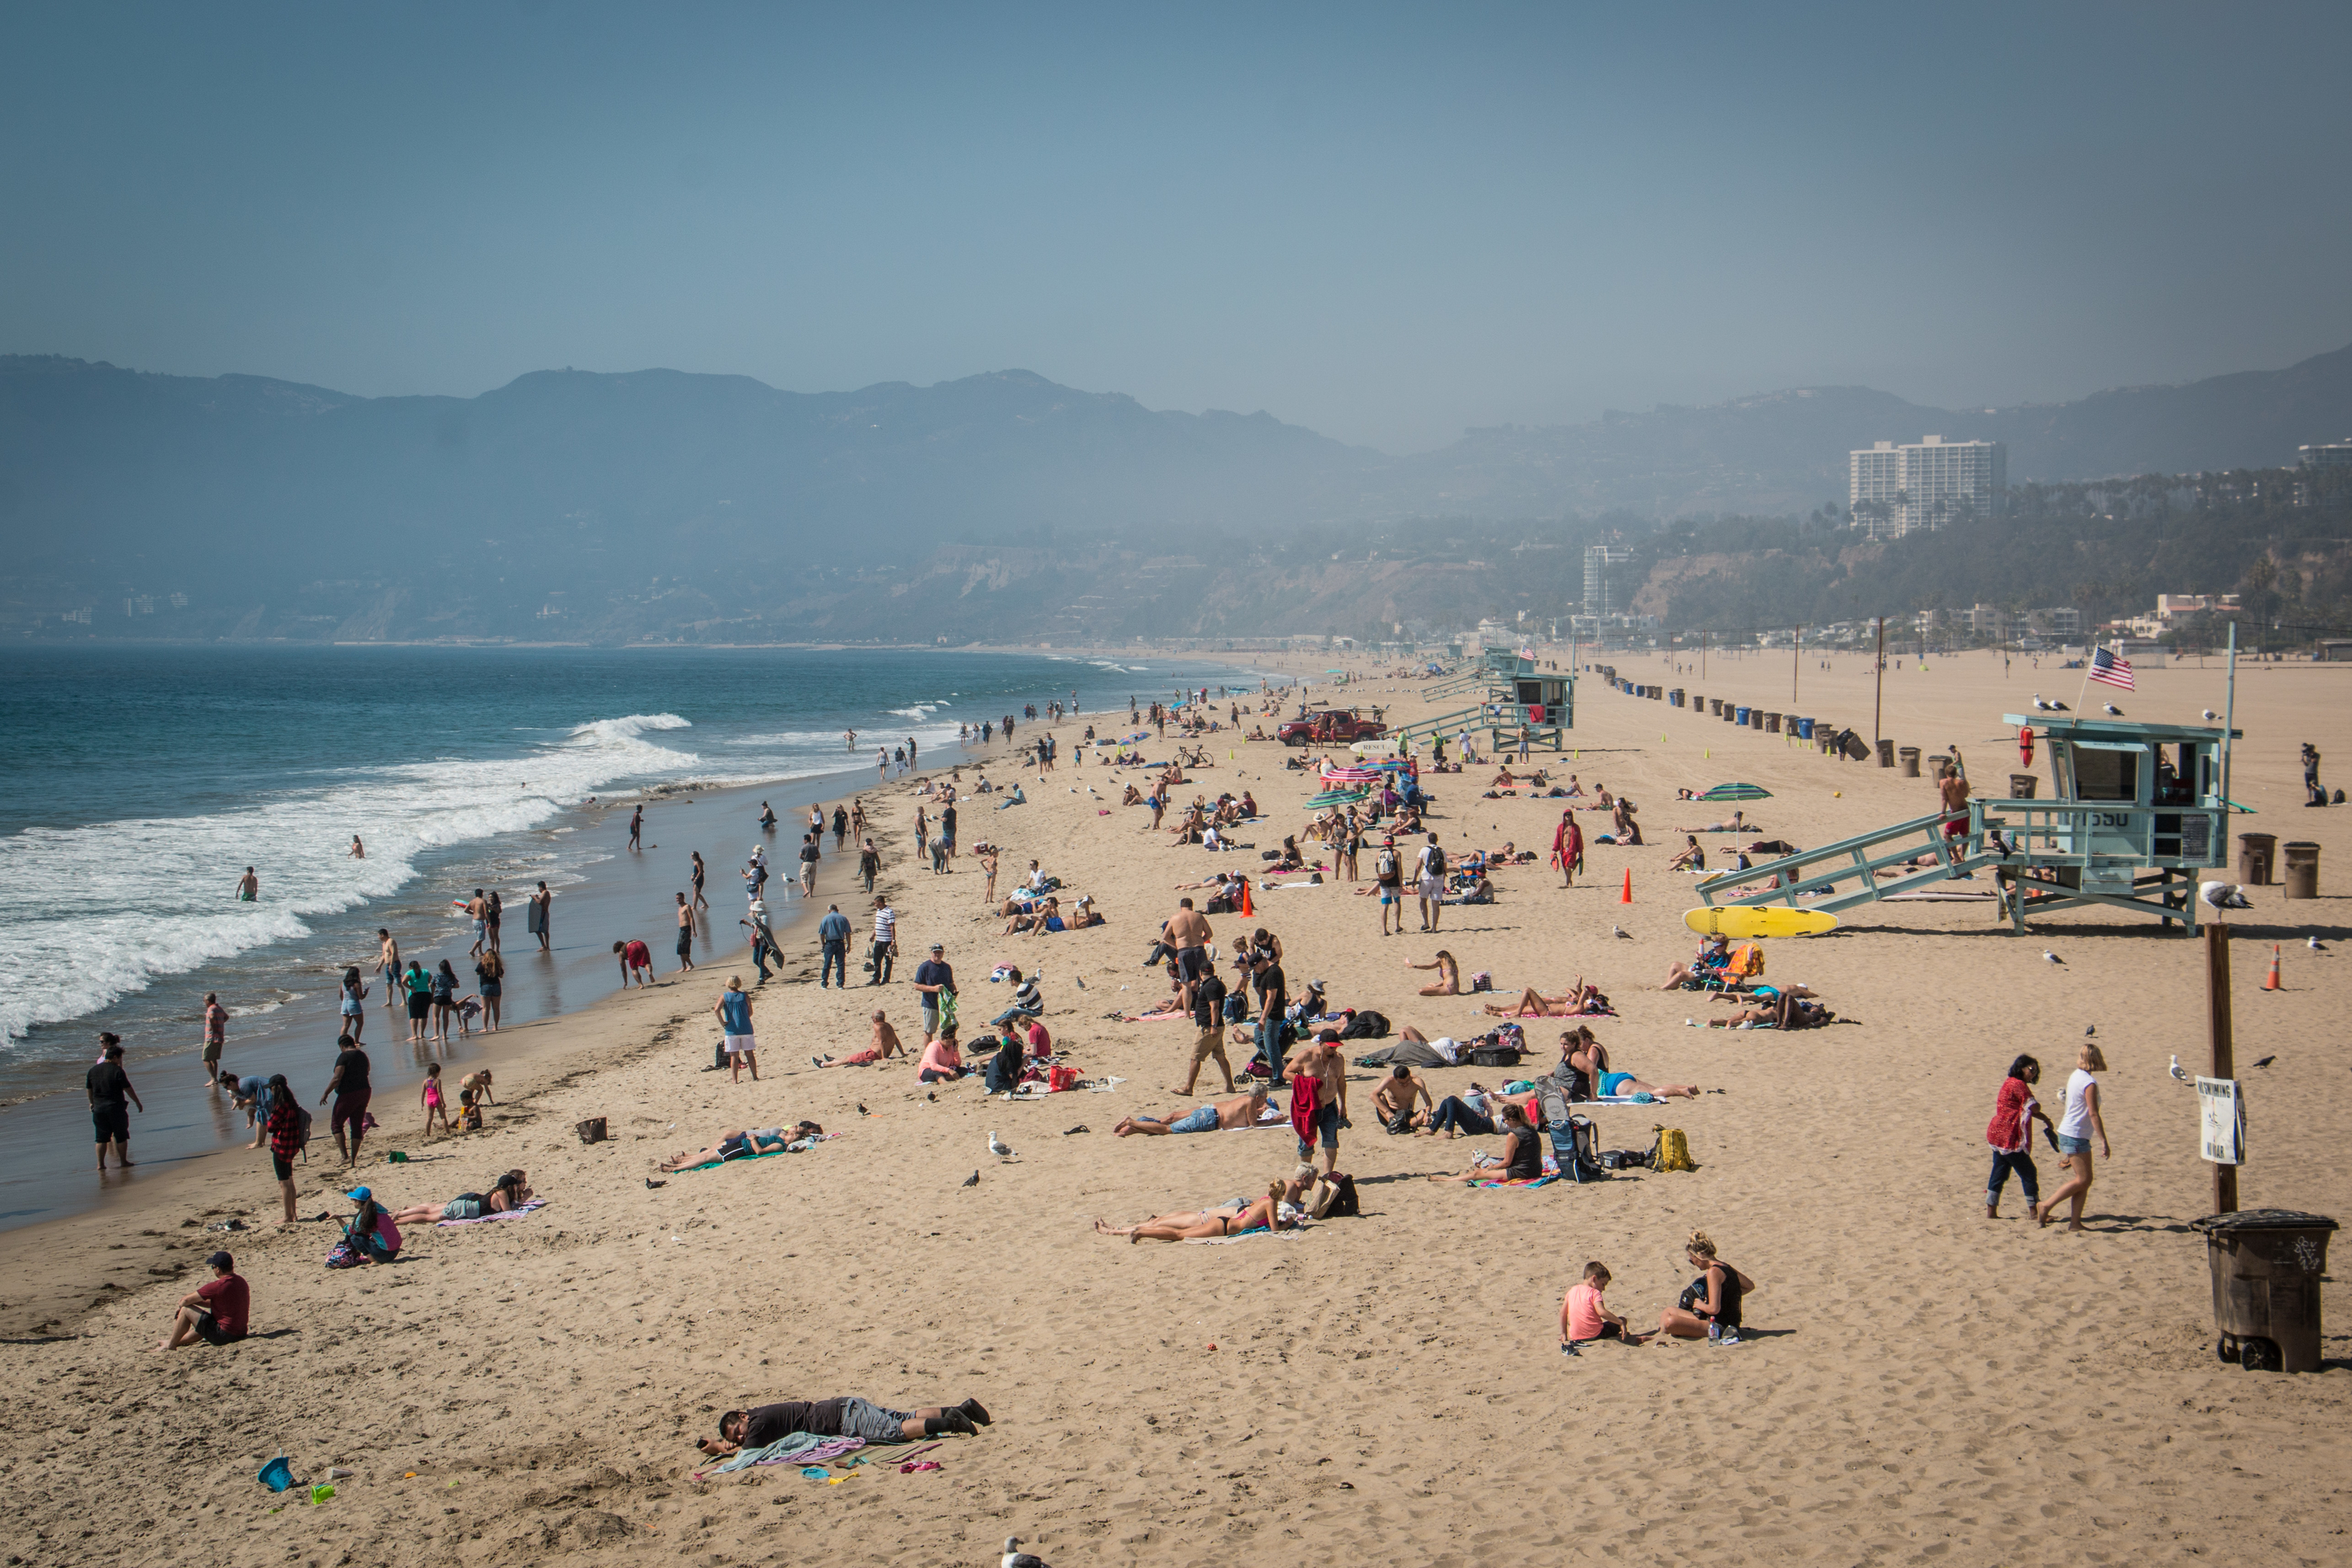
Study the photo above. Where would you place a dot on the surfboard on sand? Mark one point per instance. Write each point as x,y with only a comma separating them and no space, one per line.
1742,924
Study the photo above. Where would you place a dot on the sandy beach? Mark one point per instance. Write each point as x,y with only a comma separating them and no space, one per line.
1919,1383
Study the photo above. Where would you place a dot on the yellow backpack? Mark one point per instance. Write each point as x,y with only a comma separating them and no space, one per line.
1672,1152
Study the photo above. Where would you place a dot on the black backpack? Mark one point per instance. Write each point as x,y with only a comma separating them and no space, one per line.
1436,861
1343,1205
1366,1025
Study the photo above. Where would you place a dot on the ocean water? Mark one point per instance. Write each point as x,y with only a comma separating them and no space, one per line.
137,784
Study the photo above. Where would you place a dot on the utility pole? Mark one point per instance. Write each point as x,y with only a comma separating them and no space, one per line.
1796,658
1702,657
2224,1064
1878,699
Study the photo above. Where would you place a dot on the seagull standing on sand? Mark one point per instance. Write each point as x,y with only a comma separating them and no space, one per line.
996,1145
1016,1558
2177,1076
2051,956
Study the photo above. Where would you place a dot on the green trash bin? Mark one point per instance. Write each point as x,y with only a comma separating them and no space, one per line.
2267,1265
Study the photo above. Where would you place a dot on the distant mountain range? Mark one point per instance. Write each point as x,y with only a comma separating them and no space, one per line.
272,505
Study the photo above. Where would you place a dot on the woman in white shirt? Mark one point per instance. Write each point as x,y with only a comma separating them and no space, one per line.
2075,1130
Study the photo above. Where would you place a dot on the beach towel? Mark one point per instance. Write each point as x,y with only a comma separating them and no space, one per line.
530,1208
1244,1236
799,1146
792,1449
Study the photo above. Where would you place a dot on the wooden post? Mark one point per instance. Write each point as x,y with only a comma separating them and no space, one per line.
1796,659
1878,697
2224,1063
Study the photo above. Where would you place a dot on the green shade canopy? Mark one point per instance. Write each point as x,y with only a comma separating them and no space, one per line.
1335,798
1737,792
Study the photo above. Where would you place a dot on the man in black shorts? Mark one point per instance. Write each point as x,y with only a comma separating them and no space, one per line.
214,1311
844,1417
349,1089
110,1088
1188,935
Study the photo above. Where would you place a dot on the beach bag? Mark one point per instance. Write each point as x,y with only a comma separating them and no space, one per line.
1060,1078
1483,981
1365,1025
1335,1197
1672,1152
1493,1055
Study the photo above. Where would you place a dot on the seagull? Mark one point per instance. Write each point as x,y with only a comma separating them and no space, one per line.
1619,931
2212,717
2265,1061
2051,956
972,1180
2177,1076
996,1145
2039,706
2058,707
2113,710
1016,1558
2223,895
2313,943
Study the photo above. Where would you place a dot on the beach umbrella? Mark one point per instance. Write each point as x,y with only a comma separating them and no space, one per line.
1334,797
1737,792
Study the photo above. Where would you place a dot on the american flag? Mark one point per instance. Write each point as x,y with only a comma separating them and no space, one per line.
2106,667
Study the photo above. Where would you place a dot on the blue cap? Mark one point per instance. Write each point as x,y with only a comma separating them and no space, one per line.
357,1194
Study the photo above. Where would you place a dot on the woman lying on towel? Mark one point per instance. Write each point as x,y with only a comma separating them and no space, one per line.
508,1193
1580,1000
1234,1218
1522,1157
1788,1009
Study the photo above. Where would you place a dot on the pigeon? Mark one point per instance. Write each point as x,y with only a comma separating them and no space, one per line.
996,1145
2223,895
2090,1029
2051,956
1081,980
651,1183
862,1110
1016,1558
972,1180
2113,710
2265,1061
2177,1076
2212,717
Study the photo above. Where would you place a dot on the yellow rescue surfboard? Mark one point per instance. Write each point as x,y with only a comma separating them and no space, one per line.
1744,924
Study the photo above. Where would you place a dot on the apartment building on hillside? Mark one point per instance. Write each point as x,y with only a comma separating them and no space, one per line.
1931,483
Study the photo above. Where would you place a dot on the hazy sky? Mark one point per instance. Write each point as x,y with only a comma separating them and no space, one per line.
1385,223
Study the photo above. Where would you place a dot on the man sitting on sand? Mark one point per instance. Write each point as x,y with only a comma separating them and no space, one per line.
846,1417
1400,1096
1218,1116
884,1047
214,1311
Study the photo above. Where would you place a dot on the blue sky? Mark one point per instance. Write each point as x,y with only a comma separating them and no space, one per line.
1384,222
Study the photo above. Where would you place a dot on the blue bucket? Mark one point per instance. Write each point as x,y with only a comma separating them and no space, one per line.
276,1475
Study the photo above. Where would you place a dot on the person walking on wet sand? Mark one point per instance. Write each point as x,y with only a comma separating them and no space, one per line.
216,1037
685,934
110,1088
699,871
542,917
734,1010
637,826
387,964
349,1090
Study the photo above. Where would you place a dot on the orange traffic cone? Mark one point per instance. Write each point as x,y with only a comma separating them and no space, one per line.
2271,980
1626,897
1247,913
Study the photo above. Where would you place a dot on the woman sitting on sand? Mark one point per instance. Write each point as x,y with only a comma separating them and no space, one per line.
1051,909
884,1044
1690,857
942,1062
1133,796
1591,1075
1290,859
1449,976
1706,966
1713,1298
1233,1219
508,1193
1522,1156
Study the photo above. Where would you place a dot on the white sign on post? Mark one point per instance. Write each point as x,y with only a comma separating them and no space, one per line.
2221,1130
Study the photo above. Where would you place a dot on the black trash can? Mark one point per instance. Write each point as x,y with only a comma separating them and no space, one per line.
2267,1265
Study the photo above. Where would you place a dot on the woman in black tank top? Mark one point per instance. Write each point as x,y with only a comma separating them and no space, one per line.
1714,1297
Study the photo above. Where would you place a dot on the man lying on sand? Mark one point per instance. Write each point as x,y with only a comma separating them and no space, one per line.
742,1144
844,1417
1789,1010
1218,1116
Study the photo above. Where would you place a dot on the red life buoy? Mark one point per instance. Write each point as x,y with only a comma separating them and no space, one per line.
2025,744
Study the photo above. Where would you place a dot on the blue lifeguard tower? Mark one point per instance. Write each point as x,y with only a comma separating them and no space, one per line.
1511,694
2135,812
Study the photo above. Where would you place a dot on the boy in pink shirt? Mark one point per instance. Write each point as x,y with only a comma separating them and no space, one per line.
1584,1317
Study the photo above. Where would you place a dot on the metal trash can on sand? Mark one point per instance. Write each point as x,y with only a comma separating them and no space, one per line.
1886,753
2302,873
2267,1265
2257,853
2023,785
1910,760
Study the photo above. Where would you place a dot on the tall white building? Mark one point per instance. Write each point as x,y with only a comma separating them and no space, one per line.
1898,489
1597,559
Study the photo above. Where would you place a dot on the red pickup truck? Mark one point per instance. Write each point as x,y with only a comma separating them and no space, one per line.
1333,726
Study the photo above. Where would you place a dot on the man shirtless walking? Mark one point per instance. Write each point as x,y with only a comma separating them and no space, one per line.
1190,935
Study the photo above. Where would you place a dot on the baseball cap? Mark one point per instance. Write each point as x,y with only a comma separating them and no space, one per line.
220,1260
939,947
359,1194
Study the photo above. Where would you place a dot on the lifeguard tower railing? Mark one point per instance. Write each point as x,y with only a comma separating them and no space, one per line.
1547,722
1492,671
2138,855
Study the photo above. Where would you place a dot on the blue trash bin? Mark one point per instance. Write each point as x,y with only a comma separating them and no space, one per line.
1804,729
1741,716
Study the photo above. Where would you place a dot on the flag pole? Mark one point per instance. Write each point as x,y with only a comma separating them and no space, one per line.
2088,665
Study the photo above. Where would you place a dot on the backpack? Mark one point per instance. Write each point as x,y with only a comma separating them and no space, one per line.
1365,1025
1575,1144
1385,868
1496,1055
1672,1152
1436,861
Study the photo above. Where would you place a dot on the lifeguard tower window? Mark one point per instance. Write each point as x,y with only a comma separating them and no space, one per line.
2104,774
